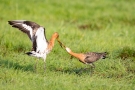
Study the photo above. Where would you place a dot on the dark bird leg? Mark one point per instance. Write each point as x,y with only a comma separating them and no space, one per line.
44,65
92,67
36,64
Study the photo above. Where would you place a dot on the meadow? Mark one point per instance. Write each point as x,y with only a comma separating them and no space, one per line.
84,26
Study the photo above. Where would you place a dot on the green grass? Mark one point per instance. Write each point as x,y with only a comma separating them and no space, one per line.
84,26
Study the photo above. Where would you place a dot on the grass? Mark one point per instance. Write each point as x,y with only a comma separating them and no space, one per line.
84,26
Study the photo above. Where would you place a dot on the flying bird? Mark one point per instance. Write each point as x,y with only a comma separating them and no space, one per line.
86,58
36,33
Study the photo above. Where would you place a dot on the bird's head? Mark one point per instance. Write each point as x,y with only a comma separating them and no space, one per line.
68,49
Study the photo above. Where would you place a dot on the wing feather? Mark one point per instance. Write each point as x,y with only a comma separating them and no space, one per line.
33,30
27,27
40,39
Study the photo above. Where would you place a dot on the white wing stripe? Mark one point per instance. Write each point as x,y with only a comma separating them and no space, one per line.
28,28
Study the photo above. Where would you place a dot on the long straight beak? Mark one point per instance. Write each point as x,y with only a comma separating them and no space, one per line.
61,44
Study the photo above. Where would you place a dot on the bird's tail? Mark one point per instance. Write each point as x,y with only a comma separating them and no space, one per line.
104,55
28,53
33,53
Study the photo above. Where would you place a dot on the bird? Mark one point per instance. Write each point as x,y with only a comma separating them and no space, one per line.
36,33
86,58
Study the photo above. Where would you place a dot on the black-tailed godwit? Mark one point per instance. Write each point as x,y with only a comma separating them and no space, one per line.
40,45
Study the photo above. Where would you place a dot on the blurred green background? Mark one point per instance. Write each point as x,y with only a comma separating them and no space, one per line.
84,26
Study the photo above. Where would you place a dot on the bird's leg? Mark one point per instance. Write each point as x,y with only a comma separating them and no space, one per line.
35,67
44,65
92,66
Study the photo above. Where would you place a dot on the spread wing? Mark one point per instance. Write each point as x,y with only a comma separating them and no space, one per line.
31,29
27,27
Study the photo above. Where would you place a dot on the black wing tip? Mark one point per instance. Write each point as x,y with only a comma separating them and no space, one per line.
10,22
31,53
28,53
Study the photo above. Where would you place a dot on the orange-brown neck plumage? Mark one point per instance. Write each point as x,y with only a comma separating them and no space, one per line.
80,56
52,41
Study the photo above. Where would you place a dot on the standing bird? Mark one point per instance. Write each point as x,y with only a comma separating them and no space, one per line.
40,46
86,58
